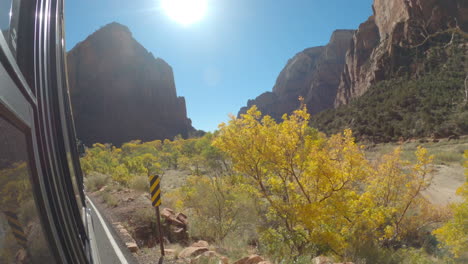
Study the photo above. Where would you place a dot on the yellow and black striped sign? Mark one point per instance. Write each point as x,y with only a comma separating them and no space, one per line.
16,228
155,190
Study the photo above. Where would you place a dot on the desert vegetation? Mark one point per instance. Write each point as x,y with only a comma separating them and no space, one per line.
291,193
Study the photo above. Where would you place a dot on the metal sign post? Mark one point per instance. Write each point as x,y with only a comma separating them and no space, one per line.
155,190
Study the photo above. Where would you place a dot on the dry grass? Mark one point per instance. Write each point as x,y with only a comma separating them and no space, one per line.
173,179
139,183
110,199
95,181
445,152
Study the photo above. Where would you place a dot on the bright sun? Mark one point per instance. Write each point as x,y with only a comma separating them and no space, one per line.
185,12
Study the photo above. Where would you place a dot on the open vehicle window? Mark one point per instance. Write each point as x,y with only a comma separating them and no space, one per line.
22,237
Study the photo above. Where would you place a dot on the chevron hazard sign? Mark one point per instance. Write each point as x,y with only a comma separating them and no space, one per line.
155,190
15,225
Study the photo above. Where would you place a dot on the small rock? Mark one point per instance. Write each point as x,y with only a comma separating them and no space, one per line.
200,243
132,247
192,252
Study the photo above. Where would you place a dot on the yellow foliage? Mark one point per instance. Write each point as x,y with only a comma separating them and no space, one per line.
323,191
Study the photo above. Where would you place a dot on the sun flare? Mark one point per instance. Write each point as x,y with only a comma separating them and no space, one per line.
185,12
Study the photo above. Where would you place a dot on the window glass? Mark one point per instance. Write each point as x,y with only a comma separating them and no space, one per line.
9,19
5,8
22,238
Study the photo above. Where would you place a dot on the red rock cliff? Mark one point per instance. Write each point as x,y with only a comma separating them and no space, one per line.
120,92
313,74
395,24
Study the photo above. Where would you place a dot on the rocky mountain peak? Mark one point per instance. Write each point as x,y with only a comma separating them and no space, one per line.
121,92
313,74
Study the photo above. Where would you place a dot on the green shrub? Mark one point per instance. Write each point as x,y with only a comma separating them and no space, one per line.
110,199
95,181
218,207
144,215
139,183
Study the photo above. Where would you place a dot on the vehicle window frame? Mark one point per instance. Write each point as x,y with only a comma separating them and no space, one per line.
10,64
18,103
37,186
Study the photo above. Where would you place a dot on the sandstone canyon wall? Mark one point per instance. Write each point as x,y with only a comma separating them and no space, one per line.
121,92
313,74
381,49
376,52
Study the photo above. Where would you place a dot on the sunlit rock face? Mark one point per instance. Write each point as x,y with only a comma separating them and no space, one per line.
313,74
333,75
375,54
121,92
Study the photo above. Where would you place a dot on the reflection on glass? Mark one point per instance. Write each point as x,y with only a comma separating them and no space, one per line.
9,21
22,238
5,8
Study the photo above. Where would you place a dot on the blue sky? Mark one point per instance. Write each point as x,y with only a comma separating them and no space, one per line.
233,54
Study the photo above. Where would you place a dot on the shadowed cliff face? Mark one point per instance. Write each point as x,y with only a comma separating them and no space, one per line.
313,74
120,92
376,50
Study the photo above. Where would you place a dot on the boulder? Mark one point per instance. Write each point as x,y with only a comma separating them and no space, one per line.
200,243
175,225
182,218
169,215
191,252
132,246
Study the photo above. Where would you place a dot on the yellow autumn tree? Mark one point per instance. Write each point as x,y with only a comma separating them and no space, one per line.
322,193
